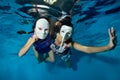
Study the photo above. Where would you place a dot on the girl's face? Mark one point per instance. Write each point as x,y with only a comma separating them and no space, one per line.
66,32
42,28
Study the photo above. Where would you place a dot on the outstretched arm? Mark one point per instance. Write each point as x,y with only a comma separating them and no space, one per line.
89,49
26,47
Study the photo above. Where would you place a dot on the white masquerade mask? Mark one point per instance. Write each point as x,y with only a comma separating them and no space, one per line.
42,28
66,32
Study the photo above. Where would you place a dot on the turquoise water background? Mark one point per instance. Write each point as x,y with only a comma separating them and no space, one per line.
92,31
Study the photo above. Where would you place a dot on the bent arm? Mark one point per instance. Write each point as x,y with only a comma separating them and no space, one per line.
26,47
89,49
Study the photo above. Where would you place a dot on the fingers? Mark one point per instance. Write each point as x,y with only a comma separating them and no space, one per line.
111,32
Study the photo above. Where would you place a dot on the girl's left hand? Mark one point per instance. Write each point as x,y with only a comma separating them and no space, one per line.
112,36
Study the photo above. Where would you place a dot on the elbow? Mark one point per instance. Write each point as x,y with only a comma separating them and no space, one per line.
22,52
88,51
95,50
52,61
19,55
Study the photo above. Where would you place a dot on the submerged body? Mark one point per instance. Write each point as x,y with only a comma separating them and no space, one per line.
40,39
63,42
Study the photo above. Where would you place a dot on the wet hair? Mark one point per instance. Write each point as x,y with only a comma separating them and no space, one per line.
64,21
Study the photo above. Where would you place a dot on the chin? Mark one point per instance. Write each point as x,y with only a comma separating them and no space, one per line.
43,37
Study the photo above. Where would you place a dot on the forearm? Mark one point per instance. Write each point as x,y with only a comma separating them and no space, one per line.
89,49
22,52
98,49
26,47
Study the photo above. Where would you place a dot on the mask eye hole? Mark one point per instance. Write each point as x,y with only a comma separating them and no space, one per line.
46,29
68,33
40,28
63,31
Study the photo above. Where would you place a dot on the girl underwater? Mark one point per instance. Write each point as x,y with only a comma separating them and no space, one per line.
63,42
42,40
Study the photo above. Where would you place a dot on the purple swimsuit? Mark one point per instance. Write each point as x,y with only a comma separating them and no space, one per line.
43,46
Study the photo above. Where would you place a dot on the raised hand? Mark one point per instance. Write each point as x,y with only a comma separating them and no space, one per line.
112,36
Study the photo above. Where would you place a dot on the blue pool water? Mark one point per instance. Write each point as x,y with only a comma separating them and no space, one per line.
89,29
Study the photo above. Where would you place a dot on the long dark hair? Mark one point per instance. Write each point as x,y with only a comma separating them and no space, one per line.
65,21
